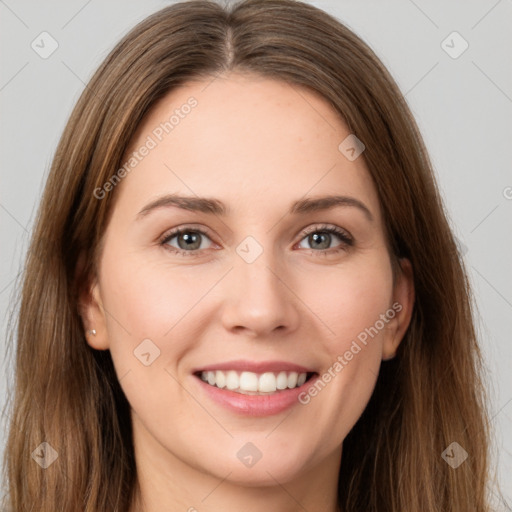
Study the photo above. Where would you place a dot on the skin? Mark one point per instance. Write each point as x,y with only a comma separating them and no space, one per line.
257,145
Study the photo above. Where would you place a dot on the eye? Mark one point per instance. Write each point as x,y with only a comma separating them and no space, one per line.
189,240
320,238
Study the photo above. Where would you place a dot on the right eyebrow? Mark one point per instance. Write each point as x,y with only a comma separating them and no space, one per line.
198,204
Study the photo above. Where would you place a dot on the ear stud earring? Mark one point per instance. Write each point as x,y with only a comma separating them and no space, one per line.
93,332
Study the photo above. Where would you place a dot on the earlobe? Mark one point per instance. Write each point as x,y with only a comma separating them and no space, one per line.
93,318
402,305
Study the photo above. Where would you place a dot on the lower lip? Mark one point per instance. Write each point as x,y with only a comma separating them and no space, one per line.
255,405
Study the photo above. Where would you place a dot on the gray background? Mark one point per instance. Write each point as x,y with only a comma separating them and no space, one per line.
463,106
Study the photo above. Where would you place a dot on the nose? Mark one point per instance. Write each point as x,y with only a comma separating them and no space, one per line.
259,298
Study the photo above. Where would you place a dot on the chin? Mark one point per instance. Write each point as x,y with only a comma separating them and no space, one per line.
281,465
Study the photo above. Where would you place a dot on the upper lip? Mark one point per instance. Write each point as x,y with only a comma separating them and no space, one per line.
256,367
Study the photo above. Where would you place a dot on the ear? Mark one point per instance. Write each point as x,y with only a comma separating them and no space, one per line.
402,305
91,310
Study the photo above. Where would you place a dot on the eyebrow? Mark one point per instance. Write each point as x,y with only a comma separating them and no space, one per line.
215,207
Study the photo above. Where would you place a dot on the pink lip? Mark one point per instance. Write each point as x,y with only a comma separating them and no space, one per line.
256,367
255,405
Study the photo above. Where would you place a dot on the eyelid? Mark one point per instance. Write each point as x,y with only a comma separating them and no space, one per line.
325,227
185,227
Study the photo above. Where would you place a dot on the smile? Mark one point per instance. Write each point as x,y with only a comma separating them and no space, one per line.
250,383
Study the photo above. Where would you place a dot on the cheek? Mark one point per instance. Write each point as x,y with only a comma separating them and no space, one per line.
151,298
349,299
144,302
350,302
152,323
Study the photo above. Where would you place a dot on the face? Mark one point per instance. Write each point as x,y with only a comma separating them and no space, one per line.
263,286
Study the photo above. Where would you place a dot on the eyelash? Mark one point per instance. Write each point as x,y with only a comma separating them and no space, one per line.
346,239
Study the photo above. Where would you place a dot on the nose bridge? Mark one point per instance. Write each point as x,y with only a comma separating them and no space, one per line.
259,299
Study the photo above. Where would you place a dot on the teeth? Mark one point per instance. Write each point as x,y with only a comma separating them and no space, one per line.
282,380
220,380
267,383
254,383
231,380
248,381
292,380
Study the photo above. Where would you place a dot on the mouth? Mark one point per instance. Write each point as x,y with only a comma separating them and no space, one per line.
253,383
254,388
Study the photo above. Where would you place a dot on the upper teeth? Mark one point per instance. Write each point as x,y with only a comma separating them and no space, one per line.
253,382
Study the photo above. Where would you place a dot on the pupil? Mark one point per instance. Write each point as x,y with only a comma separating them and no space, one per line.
315,237
189,240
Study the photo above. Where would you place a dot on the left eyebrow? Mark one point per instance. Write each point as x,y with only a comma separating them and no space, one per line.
217,207
309,205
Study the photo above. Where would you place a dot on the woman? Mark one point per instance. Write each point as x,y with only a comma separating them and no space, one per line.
184,344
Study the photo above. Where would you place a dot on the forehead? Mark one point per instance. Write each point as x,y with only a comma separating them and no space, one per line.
247,140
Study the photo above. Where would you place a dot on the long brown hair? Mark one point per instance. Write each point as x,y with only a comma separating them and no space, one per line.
67,394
